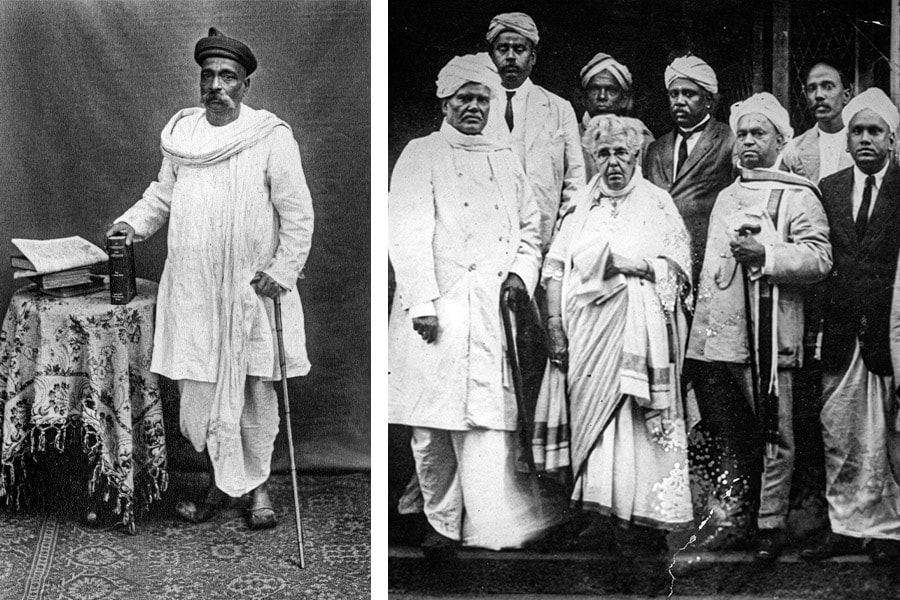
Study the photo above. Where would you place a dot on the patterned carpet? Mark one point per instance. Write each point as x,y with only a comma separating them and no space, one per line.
46,554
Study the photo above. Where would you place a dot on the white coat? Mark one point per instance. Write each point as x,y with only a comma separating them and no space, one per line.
462,216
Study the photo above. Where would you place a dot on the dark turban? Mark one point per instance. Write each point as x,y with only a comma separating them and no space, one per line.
218,44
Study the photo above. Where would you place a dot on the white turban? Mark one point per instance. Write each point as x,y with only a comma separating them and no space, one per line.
768,106
876,100
477,68
604,62
695,69
514,21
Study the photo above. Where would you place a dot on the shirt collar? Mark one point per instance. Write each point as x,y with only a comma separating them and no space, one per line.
859,178
699,125
823,134
521,91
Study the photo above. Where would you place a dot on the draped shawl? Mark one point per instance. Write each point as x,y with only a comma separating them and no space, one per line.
240,304
650,227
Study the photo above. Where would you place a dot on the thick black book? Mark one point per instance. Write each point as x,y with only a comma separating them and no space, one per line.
122,284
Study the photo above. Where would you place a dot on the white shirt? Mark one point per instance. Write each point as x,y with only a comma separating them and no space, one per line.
519,102
520,108
859,185
831,147
692,141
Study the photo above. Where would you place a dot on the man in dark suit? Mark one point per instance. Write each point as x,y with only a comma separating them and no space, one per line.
693,162
862,446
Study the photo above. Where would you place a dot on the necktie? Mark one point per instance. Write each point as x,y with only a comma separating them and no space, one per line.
682,150
862,217
682,147
509,113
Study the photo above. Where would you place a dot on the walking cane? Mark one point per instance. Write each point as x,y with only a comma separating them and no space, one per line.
512,353
287,416
748,320
762,407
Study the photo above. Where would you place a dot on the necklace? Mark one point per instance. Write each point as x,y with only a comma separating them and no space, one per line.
614,202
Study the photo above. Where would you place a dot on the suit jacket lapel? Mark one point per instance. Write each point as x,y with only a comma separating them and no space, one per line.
808,153
844,223
537,114
885,205
665,157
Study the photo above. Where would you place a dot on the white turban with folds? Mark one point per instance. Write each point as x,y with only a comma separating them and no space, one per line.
695,69
604,62
514,21
877,101
471,68
766,105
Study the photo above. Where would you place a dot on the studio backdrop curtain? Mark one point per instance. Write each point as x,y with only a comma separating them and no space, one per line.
87,87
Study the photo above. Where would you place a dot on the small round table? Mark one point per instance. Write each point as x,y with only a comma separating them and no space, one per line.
84,363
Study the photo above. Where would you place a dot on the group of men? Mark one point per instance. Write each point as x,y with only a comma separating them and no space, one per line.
794,247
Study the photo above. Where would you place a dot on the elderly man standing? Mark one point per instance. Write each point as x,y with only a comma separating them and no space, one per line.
240,217
606,89
860,339
822,149
768,239
464,228
693,162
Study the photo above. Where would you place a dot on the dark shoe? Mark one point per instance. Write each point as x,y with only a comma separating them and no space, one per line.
438,547
833,545
771,543
729,539
198,511
883,552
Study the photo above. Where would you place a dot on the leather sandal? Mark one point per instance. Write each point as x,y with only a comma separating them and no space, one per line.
262,517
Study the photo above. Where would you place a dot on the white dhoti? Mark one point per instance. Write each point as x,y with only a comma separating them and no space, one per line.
258,428
862,452
470,490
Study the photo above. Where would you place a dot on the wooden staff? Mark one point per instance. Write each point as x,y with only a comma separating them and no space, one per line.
287,416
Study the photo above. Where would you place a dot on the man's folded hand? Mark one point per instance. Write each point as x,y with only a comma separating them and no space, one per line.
427,327
518,297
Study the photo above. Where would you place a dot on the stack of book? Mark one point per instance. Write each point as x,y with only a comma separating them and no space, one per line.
60,267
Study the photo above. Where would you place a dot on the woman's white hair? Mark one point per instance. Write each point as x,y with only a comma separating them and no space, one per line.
610,125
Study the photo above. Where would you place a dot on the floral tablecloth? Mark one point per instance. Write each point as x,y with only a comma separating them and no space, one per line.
82,364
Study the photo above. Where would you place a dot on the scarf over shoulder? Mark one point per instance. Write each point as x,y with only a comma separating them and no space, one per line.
241,307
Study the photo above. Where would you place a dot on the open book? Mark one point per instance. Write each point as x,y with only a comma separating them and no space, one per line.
51,256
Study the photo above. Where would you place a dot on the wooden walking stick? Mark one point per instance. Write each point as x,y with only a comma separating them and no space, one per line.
287,418
512,353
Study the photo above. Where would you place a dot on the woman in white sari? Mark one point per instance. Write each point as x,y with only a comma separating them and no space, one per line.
617,280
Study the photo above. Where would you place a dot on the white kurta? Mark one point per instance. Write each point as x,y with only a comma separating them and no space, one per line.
237,202
277,225
460,220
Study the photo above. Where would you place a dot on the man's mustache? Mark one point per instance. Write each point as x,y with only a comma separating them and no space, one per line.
214,96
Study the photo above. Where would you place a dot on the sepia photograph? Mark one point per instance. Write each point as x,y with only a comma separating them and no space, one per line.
185,341
644,299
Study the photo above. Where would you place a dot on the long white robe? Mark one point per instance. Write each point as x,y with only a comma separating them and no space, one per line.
622,362
236,202
461,219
